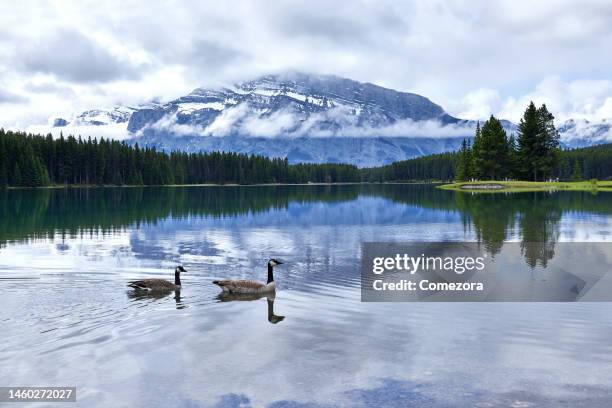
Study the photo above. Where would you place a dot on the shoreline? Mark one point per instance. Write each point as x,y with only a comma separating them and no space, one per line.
489,186
495,186
69,186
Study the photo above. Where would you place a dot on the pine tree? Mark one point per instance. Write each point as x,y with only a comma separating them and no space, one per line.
42,174
577,171
491,150
538,143
29,175
469,171
3,162
463,167
529,127
548,143
474,164
512,157
16,178
3,175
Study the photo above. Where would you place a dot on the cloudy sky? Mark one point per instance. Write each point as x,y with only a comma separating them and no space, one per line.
472,57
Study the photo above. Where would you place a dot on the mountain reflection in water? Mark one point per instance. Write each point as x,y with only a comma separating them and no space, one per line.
492,218
68,318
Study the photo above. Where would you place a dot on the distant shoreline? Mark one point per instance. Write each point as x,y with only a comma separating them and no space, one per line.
495,186
489,186
69,186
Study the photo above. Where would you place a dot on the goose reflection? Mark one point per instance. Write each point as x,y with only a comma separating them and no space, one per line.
157,295
231,297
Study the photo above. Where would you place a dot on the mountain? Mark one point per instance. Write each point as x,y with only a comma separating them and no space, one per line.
582,133
361,151
98,117
319,105
306,118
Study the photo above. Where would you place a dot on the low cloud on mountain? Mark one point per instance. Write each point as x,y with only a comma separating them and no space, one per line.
338,122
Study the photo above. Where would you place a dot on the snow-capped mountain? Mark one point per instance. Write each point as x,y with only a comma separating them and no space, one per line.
306,118
581,132
290,105
99,117
302,117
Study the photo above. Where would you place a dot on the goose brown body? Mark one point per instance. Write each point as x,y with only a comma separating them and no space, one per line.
159,284
153,284
250,286
244,286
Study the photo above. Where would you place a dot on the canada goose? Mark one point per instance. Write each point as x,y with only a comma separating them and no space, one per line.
159,284
249,286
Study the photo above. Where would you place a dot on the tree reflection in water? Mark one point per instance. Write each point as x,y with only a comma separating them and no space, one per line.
533,218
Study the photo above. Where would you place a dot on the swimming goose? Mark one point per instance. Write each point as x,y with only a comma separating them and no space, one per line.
159,284
249,286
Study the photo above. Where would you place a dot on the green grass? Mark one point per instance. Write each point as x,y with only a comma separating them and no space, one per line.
494,186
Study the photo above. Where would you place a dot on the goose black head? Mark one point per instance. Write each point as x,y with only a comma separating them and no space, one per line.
179,269
274,262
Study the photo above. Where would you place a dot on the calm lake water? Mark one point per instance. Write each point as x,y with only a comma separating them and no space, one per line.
68,319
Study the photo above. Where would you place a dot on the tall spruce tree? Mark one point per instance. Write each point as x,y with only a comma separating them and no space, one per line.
474,162
529,128
3,175
547,142
3,161
538,143
512,157
32,169
490,151
469,161
464,163
577,171
15,179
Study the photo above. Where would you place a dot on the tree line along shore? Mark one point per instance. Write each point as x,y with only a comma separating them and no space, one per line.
534,154
28,160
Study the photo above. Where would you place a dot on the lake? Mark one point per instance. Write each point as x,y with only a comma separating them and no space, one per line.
68,318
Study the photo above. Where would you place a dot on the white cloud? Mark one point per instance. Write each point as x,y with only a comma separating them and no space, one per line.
223,123
605,109
477,104
579,131
576,99
279,122
472,57
69,55
242,120
10,97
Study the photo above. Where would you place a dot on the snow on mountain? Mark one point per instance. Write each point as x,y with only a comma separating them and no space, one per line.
98,117
291,105
306,118
581,132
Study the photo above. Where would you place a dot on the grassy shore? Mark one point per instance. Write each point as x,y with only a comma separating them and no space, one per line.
494,186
